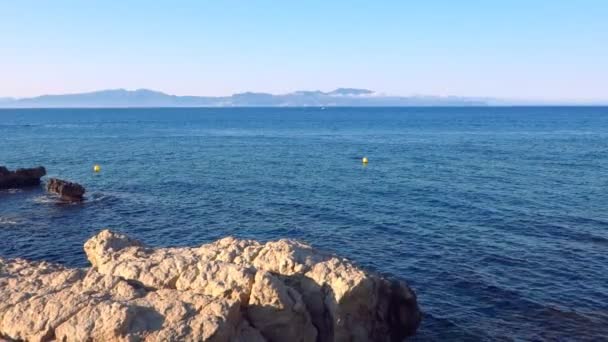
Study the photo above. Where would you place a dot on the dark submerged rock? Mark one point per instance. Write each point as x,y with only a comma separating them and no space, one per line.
68,191
20,177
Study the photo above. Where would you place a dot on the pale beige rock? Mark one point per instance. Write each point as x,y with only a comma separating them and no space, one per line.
163,315
217,279
287,257
197,269
228,290
118,255
278,311
97,307
98,321
100,247
231,250
20,280
349,297
27,288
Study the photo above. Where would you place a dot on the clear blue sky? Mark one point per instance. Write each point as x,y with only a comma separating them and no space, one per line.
533,49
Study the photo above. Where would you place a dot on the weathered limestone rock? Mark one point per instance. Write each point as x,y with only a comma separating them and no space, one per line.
163,315
287,257
20,177
229,290
175,268
68,191
43,302
278,310
341,301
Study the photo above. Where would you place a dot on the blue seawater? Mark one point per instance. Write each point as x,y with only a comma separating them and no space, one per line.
497,217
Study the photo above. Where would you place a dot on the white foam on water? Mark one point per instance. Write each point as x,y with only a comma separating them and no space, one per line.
8,221
10,191
45,199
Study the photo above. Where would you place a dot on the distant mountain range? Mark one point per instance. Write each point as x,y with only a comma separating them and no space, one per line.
150,98
341,97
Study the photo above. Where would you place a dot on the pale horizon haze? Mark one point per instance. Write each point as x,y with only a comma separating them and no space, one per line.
532,50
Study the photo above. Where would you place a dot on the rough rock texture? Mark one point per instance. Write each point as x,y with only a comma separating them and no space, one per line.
42,302
229,290
68,191
20,177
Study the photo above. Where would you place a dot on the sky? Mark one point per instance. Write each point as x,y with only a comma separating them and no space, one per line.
513,49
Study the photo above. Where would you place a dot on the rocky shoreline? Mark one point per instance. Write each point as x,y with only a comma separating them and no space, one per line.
28,177
228,290
20,177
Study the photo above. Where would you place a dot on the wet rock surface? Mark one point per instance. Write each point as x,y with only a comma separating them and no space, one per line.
228,290
20,177
67,191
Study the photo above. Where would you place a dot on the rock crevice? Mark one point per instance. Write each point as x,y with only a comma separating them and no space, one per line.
228,290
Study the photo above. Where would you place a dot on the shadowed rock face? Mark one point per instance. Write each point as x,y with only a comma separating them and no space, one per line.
20,177
68,191
229,290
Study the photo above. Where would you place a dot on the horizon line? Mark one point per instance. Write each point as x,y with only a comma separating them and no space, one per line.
315,107
372,93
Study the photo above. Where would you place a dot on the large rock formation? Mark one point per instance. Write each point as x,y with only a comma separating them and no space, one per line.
229,290
20,177
67,191
44,302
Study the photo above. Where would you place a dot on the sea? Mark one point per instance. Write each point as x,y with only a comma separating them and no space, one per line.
497,217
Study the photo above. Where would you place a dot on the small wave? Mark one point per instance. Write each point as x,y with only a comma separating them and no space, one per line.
8,221
10,191
17,125
52,199
90,199
102,197
45,199
66,125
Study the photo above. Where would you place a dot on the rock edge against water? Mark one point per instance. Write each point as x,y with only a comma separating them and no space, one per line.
67,191
20,177
228,290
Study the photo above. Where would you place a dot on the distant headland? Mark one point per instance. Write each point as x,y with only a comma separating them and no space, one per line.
341,97
346,97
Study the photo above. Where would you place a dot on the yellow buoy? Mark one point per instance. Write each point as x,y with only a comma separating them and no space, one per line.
364,160
96,168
